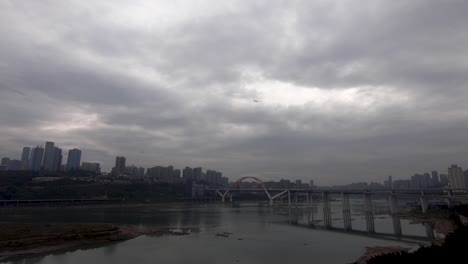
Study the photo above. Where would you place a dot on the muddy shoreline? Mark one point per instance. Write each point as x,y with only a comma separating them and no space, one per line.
23,240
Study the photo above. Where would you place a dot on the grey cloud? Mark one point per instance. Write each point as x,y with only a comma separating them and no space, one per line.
169,95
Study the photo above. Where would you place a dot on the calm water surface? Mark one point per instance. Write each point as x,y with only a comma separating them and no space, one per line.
259,234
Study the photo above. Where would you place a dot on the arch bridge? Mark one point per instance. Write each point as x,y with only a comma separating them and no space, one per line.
224,193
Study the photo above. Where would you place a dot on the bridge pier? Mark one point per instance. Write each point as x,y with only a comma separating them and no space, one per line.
396,225
424,203
346,211
449,199
394,204
369,213
296,209
326,209
223,195
429,231
272,198
394,211
310,218
289,206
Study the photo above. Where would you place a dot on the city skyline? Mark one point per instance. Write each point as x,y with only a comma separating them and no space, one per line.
35,160
273,89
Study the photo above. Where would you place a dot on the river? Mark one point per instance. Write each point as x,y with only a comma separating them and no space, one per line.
251,233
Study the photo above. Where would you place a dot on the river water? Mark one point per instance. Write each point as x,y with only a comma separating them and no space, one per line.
257,234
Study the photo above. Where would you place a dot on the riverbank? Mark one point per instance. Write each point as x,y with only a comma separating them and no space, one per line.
21,240
437,218
450,247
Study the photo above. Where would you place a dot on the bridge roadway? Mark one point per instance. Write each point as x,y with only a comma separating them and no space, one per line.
446,194
463,192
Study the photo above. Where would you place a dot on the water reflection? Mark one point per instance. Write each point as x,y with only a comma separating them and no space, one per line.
388,225
260,234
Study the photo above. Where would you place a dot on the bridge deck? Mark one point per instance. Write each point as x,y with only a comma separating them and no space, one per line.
430,192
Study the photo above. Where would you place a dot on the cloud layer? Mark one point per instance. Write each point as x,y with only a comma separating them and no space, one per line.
347,91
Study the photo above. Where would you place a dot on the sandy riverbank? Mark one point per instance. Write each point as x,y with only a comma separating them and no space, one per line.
19,240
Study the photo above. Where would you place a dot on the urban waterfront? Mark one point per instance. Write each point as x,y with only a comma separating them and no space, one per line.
232,233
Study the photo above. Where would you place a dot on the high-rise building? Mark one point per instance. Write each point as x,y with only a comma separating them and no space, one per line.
225,181
49,156
198,174
435,179
401,184
456,177
36,158
416,181
213,178
91,166
167,174
14,165
187,174
119,165
443,179
74,159
141,171
154,172
389,183
298,184
57,161
25,155
5,162
312,184
135,171
426,180
420,181
163,174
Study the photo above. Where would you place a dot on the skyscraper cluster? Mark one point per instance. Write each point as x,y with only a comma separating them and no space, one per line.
455,179
48,159
169,174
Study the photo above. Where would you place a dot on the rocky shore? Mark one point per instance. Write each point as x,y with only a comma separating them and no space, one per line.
20,240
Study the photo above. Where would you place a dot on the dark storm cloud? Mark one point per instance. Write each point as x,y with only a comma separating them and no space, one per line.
173,83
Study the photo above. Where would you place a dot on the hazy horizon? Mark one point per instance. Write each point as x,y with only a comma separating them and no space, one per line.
346,91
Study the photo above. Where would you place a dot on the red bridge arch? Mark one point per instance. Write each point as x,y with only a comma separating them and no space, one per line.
257,180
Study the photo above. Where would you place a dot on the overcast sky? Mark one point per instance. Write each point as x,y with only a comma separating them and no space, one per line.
348,90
